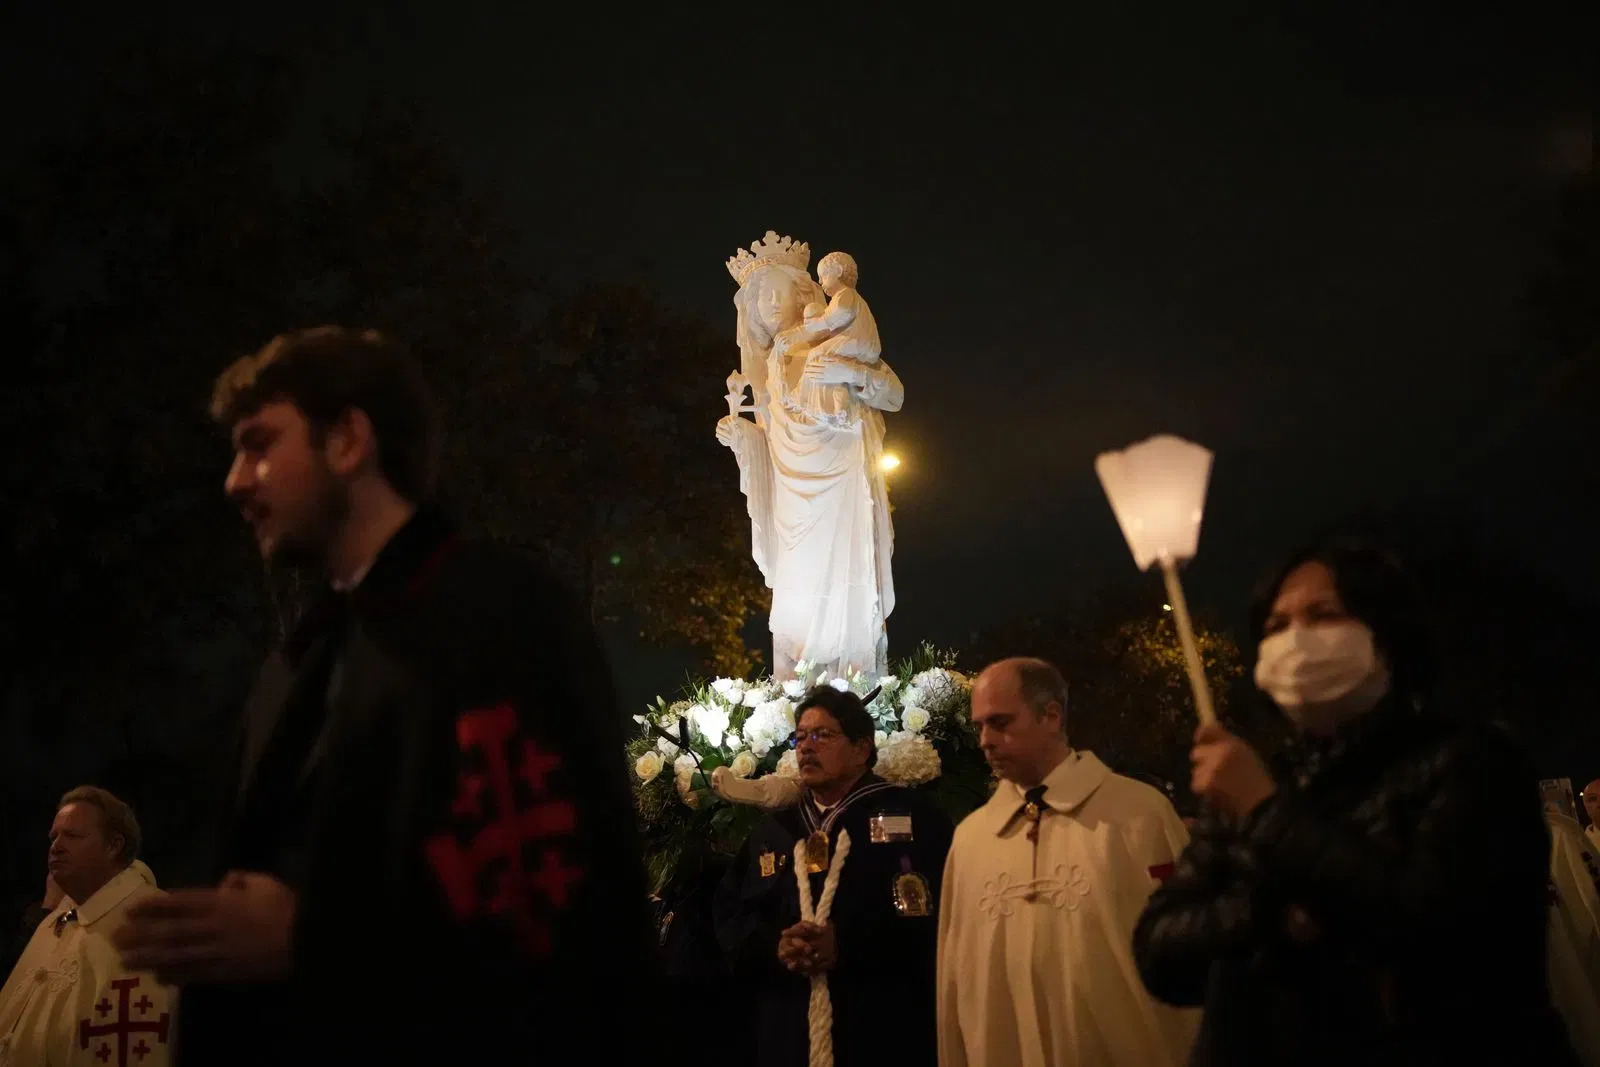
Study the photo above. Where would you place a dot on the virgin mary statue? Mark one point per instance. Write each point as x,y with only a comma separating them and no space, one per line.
809,463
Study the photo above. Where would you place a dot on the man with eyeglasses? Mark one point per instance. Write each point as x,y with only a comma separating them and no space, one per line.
878,946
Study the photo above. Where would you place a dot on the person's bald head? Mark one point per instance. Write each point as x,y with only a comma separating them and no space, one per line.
1591,801
1019,707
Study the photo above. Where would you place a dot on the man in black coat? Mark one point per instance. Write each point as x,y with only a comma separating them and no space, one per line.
428,856
879,945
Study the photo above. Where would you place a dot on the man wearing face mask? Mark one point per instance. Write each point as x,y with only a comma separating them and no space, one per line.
1380,897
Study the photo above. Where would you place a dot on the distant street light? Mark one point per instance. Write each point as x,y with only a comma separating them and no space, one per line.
888,462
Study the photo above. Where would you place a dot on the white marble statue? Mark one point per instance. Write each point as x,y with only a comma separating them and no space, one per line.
809,463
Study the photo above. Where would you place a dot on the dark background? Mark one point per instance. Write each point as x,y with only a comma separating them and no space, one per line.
1353,250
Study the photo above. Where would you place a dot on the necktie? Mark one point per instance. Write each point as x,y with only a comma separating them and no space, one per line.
1033,810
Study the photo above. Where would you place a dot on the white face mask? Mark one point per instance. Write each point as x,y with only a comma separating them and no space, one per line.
1322,675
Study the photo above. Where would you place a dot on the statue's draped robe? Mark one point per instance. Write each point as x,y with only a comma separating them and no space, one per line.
819,513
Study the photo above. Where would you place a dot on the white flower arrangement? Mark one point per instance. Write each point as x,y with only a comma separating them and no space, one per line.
746,725
921,726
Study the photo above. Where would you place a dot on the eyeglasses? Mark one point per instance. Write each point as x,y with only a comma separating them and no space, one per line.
817,737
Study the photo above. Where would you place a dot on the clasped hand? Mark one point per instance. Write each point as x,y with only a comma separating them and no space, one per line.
808,948
1228,773
240,931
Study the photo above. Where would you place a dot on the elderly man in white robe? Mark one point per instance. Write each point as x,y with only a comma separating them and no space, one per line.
1591,804
1042,890
70,1002
1574,934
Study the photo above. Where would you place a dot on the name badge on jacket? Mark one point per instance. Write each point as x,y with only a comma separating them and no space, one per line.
883,828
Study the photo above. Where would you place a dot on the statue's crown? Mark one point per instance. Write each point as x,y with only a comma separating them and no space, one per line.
768,251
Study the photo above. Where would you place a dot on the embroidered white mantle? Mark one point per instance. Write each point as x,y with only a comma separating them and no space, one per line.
70,1003
1035,962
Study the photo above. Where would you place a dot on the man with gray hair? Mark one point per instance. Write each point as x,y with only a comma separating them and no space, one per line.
1042,890
70,1000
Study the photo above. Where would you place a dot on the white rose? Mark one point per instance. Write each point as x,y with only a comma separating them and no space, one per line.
724,687
648,766
754,698
912,695
760,746
914,718
794,689
743,765
788,765
841,684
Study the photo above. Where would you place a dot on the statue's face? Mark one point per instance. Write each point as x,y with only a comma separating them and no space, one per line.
774,305
832,279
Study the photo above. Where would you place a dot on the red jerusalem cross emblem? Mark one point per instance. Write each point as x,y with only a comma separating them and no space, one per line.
125,1025
502,856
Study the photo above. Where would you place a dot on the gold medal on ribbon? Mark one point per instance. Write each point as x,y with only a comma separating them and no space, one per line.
817,852
769,864
911,895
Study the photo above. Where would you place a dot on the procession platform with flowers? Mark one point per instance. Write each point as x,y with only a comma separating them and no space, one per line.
925,740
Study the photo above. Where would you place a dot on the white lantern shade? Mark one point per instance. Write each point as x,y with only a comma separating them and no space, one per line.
1157,490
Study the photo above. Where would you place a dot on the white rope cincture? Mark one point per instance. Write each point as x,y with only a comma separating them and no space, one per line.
821,1003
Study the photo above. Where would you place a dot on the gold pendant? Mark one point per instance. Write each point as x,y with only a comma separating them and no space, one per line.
1032,810
769,864
911,895
817,852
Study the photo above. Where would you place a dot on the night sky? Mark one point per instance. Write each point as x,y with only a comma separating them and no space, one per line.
1304,244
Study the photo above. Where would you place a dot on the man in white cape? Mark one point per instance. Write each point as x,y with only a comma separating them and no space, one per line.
1591,804
70,1002
1042,890
1574,934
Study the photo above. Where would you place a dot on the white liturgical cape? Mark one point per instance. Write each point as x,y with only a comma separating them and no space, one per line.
1574,935
1036,961
71,1003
